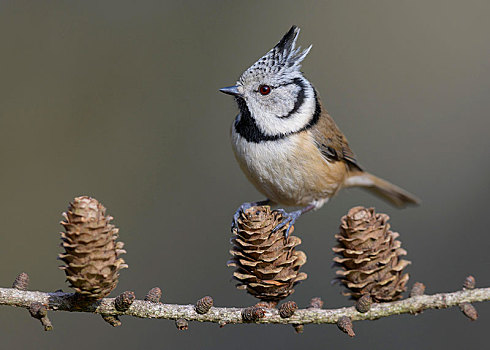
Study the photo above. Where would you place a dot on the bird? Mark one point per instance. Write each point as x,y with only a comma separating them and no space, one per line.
288,145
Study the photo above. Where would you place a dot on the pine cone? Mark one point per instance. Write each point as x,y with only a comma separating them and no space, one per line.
267,264
370,256
91,251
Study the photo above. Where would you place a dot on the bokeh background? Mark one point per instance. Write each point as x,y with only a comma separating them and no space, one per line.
119,100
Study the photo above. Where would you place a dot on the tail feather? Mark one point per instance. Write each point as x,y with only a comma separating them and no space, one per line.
382,188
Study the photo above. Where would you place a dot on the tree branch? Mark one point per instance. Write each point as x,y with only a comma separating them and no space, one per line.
60,301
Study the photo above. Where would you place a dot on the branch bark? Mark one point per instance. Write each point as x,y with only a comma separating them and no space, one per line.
59,301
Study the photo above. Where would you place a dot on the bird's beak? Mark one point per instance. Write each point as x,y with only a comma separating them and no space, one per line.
231,90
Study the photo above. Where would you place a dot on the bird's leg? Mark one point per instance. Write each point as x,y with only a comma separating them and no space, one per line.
244,207
290,218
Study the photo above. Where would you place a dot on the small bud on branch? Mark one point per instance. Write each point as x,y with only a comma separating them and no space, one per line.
154,295
21,281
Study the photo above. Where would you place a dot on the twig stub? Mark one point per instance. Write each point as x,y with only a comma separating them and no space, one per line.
345,325
469,311
299,328
182,324
40,311
112,320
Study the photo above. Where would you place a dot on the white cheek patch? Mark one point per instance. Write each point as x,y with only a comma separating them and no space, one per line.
279,104
271,124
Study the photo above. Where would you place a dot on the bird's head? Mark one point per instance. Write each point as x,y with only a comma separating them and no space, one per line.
274,89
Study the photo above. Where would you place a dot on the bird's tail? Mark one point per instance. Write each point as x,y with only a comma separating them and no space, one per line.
382,188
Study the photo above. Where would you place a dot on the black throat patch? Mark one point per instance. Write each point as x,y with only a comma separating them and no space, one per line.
247,128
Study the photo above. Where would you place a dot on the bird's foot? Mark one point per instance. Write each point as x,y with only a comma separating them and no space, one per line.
242,208
289,219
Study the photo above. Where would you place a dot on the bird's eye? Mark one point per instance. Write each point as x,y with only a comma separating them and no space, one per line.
264,89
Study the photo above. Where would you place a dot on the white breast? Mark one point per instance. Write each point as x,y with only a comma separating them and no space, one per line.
278,170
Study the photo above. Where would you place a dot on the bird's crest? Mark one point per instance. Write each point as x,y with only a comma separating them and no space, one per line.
284,58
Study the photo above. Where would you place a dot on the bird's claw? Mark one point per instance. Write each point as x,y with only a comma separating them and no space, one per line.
289,219
243,207
240,209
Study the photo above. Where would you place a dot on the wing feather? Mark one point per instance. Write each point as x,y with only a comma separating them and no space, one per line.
331,141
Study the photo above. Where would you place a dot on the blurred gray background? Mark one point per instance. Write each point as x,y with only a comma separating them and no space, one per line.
119,100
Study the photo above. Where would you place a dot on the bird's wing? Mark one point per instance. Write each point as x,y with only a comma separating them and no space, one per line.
331,141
